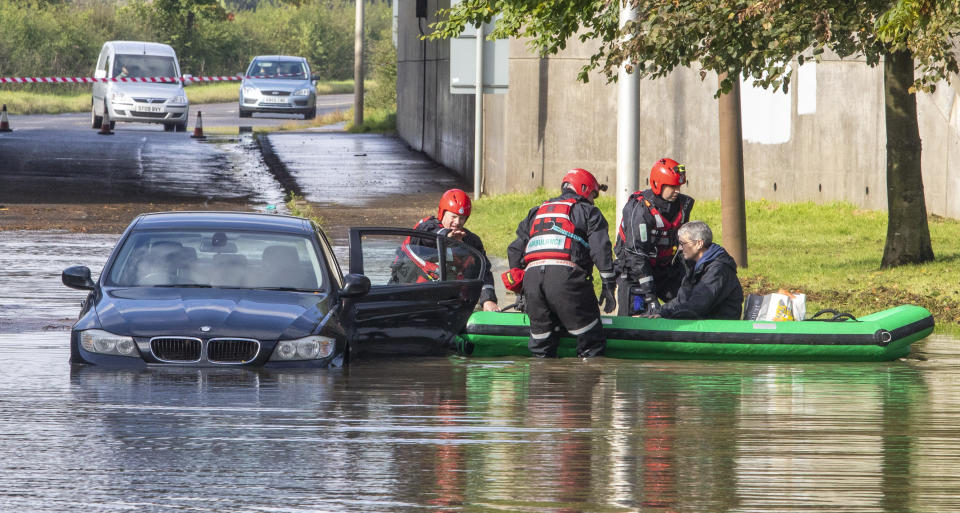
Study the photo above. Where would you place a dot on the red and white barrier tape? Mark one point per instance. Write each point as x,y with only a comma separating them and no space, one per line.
87,80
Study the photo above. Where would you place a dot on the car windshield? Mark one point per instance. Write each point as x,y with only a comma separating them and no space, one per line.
293,70
140,66
226,259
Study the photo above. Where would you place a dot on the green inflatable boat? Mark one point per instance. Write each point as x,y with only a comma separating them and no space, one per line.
880,336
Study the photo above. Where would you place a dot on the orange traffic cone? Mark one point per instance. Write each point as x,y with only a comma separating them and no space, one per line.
4,122
198,129
105,125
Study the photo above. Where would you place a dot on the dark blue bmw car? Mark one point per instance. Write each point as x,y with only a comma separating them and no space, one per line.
246,289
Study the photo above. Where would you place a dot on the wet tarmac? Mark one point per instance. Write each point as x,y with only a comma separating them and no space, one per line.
351,170
82,166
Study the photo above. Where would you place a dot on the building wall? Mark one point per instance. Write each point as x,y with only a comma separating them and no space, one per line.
437,123
822,141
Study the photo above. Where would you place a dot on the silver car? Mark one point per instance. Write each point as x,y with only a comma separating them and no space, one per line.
279,84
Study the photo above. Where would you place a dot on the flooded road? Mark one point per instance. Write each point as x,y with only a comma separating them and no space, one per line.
453,434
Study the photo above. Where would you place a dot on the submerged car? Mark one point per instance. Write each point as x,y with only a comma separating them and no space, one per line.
211,289
278,84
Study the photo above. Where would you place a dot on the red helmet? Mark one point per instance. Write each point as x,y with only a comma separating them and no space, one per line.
455,201
583,183
667,172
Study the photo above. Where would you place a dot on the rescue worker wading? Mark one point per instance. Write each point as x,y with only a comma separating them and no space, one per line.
647,267
452,214
557,246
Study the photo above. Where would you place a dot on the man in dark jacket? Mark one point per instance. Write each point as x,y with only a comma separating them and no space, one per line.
557,245
452,214
710,289
647,241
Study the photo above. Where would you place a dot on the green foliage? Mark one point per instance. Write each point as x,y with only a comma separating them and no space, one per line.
928,29
383,61
757,38
64,39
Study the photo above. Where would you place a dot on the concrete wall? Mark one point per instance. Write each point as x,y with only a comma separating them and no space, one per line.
823,141
441,125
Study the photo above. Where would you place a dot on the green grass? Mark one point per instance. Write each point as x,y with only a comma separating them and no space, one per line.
379,121
28,102
830,252
301,208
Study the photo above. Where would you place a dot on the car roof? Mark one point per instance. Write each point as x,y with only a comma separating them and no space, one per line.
141,47
223,221
279,58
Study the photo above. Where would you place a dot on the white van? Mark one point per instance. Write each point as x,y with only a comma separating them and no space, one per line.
144,102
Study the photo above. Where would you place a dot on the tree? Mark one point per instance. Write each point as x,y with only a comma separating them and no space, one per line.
758,39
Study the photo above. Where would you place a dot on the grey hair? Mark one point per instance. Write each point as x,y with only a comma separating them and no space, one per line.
697,230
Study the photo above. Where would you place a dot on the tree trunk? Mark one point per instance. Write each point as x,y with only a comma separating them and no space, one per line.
908,236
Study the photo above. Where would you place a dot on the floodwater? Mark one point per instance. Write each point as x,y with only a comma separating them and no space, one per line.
457,434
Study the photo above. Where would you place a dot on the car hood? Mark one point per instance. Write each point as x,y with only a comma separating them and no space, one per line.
258,314
277,84
149,90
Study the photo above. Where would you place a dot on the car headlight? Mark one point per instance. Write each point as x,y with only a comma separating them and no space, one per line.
302,92
104,342
178,99
119,98
251,91
313,347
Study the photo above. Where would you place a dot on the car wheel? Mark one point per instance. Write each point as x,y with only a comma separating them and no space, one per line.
168,127
245,113
95,120
180,127
311,114
112,124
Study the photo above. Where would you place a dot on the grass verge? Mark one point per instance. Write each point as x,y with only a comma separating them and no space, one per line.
830,252
378,121
301,208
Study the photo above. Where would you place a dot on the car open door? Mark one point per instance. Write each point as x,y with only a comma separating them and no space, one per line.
424,287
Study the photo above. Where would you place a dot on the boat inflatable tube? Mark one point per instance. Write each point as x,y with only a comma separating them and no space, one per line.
880,336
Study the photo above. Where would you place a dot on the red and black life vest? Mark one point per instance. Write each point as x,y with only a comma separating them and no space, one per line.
553,234
664,234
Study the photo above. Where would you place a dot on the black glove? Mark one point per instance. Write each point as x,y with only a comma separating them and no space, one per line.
653,306
608,299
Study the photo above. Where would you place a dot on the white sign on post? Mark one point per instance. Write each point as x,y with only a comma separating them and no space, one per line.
463,51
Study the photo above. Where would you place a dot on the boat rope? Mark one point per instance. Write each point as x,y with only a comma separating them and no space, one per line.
837,316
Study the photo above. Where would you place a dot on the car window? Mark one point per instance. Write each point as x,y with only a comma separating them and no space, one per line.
228,259
294,70
398,259
138,66
461,262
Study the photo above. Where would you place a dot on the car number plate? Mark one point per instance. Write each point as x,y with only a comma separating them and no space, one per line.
275,99
149,108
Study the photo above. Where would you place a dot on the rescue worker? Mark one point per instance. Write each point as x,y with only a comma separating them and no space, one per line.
557,245
452,214
710,289
647,241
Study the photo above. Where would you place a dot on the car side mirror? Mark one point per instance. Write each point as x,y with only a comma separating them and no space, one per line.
78,277
100,73
187,80
355,285
314,77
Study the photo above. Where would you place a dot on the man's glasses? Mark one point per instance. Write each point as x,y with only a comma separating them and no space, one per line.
682,243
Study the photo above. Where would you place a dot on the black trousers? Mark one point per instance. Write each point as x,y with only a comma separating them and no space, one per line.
666,283
560,296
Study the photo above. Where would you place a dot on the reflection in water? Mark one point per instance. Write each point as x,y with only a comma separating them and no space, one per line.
480,435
